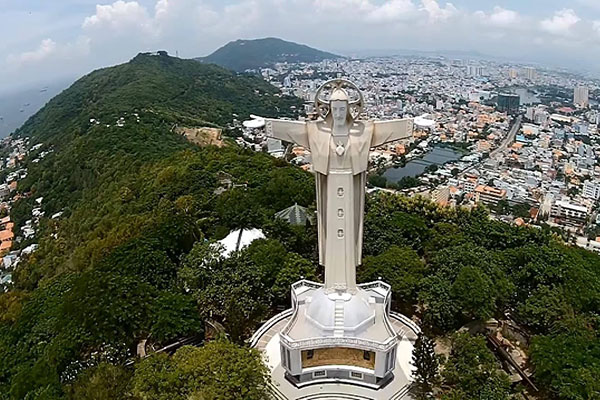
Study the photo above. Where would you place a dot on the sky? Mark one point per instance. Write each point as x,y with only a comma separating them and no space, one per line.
46,40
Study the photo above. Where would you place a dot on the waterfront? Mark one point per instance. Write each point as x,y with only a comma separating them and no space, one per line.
439,156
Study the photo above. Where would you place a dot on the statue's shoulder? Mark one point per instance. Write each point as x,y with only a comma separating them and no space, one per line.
319,125
360,127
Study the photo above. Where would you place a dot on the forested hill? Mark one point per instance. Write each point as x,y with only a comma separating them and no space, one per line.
132,263
135,197
241,55
116,119
171,89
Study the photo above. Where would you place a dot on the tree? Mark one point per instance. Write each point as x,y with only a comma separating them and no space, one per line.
293,269
174,315
426,367
521,210
378,181
109,307
475,292
408,182
431,168
440,309
503,208
104,382
473,371
233,290
567,361
217,371
401,267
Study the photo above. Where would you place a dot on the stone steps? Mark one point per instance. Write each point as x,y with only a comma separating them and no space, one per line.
338,320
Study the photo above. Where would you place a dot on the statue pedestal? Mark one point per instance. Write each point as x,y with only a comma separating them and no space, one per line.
339,335
339,358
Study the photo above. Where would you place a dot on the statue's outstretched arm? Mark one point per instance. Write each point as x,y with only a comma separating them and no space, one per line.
288,131
389,131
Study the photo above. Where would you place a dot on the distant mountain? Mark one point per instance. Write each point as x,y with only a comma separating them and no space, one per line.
241,55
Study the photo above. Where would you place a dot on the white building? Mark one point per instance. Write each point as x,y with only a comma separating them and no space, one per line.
591,190
573,214
581,96
475,70
530,73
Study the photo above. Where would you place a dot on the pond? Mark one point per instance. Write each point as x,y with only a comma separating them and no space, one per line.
416,167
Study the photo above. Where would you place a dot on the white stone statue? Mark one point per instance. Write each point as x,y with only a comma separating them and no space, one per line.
339,144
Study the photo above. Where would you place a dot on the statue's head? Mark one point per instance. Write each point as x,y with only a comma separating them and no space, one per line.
338,107
339,102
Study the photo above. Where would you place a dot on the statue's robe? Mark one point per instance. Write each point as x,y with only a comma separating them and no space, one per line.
333,171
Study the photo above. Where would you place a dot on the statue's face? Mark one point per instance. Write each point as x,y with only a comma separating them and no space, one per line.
339,111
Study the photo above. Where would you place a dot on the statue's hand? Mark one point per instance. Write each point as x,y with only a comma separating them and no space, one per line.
255,122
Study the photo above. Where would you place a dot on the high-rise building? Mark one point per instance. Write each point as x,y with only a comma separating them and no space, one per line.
512,73
530,114
530,73
474,70
509,103
581,96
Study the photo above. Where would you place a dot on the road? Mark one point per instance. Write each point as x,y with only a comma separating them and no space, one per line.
503,145
509,138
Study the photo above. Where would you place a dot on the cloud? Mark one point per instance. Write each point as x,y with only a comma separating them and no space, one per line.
437,13
46,48
394,10
500,17
115,31
561,23
119,17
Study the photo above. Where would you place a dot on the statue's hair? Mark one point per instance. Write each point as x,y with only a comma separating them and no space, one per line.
339,94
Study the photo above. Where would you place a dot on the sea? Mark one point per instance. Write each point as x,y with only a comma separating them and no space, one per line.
16,107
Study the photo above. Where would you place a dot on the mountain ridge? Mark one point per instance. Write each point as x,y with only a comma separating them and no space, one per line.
242,54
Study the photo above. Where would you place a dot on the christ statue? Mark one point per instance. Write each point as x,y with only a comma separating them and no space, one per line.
339,144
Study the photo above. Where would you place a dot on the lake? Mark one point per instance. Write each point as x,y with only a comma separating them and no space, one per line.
416,167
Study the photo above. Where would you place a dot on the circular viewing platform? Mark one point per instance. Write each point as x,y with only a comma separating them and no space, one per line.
266,340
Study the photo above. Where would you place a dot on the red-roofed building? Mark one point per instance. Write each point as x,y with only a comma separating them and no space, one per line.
489,195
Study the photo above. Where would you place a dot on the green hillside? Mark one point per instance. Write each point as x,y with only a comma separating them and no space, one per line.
159,91
132,259
135,198
241,55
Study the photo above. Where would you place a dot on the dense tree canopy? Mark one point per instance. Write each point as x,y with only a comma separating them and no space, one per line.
217,371
134,257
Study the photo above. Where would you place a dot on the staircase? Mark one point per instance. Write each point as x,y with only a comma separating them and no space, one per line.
338,320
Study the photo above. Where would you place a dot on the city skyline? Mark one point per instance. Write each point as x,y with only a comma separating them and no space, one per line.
46,42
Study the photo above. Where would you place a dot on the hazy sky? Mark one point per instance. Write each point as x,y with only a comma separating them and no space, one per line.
42,40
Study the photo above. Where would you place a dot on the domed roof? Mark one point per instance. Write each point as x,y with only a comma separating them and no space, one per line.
337,312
